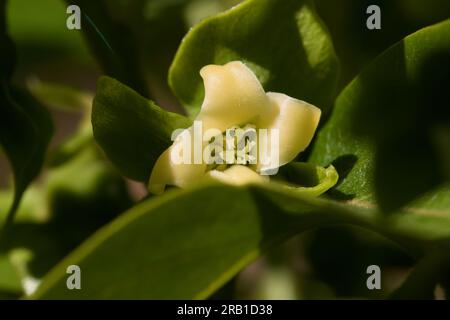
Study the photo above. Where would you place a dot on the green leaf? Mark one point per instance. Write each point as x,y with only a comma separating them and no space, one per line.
60,97
62,210
69,99
8,52
389,131
25,131
283,42
131,130
9,279
25,126
157,250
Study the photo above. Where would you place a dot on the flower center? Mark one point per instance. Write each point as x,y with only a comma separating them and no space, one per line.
241,147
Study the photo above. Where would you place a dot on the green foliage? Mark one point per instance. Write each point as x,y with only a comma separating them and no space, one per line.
379,166
283,42
160,244
131,130
25,126
78,194
116,53
388,128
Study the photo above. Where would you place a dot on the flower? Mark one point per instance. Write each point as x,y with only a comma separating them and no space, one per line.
234,97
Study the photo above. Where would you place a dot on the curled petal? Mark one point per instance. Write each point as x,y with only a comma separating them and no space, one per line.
296,121
166,172
237,175
233,96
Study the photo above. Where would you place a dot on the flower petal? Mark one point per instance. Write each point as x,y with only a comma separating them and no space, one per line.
233,96
166,172
237,175
296,121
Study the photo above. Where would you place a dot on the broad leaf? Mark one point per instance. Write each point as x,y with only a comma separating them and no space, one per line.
158,249
283,42
390,127
131,130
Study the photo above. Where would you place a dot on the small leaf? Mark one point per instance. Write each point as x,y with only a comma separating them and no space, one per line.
308,179
25,131
302,65
131,130
389,129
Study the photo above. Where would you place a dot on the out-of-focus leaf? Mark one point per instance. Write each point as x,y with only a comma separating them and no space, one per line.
25,131
112,44
302,65
59,96
25,126
57,214
74,144
44,36
388,128
8,52
9,279
160,244
422,281
308,179
356,45
131,130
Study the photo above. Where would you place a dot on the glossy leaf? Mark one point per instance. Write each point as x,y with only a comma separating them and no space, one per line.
158,248
389,131
131,130
283,42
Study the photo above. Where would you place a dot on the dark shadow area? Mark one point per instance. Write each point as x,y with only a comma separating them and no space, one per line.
399,111
340,256
343,165
299,173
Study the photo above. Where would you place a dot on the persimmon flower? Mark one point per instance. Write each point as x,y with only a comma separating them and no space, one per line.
234,98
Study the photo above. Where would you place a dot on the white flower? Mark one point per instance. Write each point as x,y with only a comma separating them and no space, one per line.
235,97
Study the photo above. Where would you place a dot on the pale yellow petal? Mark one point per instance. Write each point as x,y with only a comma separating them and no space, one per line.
166,172
237,175
296,121
233,96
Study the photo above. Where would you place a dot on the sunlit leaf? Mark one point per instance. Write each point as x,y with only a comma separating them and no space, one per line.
131,130
283,42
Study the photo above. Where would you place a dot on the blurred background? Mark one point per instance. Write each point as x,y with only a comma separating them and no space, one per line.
79,191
